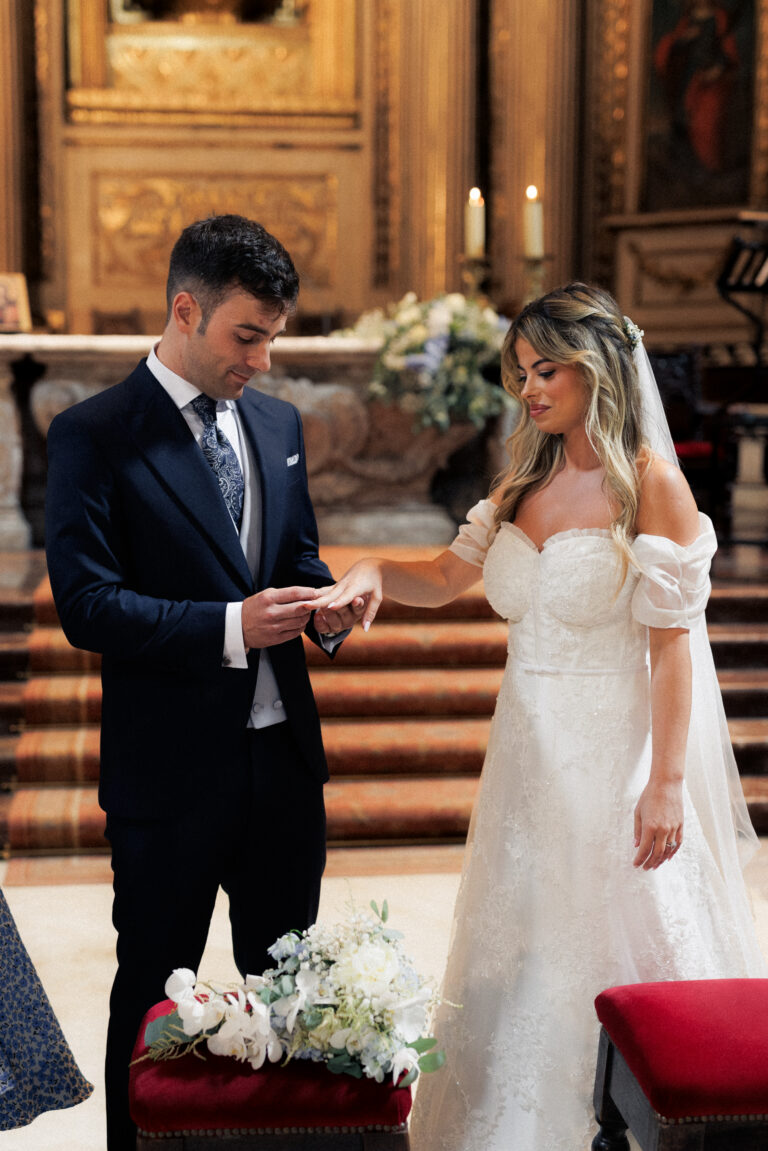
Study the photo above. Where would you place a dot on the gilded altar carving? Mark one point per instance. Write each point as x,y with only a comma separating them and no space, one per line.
179,71
137,220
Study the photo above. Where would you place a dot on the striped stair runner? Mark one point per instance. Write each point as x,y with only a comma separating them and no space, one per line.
406,711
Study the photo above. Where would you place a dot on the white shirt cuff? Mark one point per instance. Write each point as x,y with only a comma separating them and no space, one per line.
234,646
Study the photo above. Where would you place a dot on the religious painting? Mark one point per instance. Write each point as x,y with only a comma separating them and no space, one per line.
14,303
700,102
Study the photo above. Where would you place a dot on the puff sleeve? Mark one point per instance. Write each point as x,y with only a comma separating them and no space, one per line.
674,584
476,535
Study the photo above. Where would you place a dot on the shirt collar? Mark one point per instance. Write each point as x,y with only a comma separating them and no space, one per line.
180,390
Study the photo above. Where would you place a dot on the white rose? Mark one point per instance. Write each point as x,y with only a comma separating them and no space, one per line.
368,967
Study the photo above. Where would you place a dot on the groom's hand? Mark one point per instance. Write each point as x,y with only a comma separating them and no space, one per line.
276,615
328,622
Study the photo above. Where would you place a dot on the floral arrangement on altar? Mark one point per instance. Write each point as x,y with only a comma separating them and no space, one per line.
346,996
440,358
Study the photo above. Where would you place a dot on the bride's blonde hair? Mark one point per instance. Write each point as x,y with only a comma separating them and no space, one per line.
579,325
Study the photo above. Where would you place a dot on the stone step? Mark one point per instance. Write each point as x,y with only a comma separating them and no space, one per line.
416,643
743,603
61,755
59,820
728,603
377,748
11,706
345,693
14,654
739,645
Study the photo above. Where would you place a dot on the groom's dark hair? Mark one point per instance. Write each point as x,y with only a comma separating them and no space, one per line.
214,256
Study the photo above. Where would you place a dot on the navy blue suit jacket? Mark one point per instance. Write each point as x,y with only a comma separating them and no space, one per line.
143,559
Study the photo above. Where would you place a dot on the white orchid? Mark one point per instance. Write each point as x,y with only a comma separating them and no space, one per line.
180,984
405,1060
200,1014
307,984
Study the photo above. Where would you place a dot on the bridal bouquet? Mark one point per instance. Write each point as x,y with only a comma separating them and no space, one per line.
439,359
346,996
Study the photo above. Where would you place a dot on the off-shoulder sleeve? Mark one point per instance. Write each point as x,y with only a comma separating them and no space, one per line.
476,535
674,586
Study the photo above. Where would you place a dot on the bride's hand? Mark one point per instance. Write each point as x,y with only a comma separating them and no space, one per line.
658,823
362,581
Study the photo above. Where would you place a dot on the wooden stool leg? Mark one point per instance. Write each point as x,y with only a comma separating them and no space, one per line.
612,1135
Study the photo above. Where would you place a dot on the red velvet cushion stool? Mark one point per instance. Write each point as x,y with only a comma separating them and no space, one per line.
191,1104
684,1066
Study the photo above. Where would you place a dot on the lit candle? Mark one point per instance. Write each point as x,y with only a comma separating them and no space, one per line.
533,225
474,226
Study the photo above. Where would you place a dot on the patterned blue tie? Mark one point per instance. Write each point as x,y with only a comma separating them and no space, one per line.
221,456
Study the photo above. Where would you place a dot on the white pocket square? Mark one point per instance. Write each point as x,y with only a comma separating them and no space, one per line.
292,460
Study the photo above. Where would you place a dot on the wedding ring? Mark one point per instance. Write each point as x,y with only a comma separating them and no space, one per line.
672,845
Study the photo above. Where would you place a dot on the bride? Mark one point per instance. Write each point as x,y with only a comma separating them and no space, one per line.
610,828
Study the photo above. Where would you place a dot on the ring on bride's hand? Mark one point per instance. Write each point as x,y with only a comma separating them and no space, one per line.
672,845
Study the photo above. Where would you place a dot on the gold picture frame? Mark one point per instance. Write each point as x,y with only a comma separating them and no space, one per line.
619,51
14,303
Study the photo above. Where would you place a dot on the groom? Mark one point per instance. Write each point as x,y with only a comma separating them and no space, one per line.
182,546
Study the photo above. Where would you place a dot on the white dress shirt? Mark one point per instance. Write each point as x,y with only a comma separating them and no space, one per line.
267,707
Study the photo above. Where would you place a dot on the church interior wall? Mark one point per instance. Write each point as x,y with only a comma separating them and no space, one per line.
354,129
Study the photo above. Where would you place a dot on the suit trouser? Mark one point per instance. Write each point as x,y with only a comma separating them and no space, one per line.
264,846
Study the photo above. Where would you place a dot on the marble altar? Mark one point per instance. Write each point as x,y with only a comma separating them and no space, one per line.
369,470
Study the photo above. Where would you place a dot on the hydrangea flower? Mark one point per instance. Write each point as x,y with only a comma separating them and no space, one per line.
440,359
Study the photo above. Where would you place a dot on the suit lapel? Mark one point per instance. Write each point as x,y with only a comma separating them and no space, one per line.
266,437
163,437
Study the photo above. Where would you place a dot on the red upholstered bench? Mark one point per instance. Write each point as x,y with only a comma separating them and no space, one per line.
191,1104
684,1066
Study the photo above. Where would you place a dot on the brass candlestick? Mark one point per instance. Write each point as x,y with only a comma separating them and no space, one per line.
474,273
533,277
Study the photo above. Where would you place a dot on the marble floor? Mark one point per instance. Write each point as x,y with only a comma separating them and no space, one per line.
67,931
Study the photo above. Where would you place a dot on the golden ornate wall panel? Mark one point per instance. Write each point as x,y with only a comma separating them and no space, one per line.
324,119
131,207
137,220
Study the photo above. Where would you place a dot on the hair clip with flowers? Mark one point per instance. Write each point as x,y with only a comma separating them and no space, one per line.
632,332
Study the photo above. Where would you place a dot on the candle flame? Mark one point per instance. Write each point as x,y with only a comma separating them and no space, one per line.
532,192
475,196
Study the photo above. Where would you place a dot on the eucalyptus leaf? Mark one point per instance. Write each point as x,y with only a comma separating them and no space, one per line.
408,1079
384,911
164,1027
433,1061
425,1043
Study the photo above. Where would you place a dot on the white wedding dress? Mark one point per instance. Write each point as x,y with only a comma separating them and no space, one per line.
550,909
